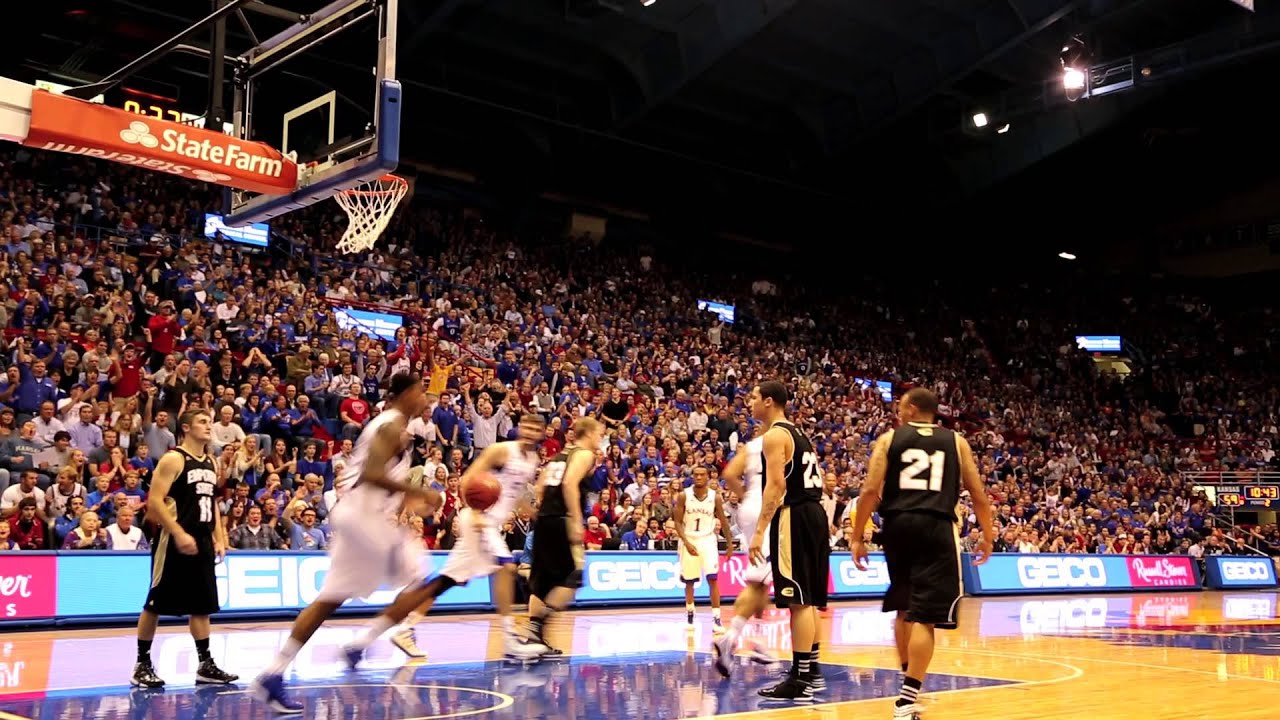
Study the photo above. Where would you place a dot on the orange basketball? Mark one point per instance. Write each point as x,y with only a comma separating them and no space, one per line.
481,492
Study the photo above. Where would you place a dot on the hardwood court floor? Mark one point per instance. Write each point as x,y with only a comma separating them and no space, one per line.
1183,655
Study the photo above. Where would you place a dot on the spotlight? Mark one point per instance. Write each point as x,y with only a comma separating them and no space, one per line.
1003,129
647,3
980,119
1073,79
1067,256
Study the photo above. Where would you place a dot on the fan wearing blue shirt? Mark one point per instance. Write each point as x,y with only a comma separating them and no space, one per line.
637,539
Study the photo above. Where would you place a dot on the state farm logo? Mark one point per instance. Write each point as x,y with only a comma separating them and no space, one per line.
139,133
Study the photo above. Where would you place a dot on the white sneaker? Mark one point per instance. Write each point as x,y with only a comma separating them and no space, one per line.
722,650
524,650
914,711
408,644
757,653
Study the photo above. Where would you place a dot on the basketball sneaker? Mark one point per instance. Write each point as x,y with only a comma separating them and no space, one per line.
816,681
521,649
793,688
269,690
914,711
757,653
407,642
352,655
144,676
722,650
210,674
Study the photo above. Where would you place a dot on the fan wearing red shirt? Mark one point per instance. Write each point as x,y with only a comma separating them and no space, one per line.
595,534
354,412
127,374
162,331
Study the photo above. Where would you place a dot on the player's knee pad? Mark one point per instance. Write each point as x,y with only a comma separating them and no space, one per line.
438,585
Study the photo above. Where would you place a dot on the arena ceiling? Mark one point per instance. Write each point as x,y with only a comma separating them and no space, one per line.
748,114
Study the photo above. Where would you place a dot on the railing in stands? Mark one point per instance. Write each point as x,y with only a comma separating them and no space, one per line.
1230,477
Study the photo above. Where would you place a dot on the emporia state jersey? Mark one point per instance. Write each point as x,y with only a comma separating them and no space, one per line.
192,493
923,474
553,504
804,477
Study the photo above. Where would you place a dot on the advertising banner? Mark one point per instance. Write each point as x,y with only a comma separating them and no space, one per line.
28,586
1044,573
65,124
654,577
70,586
1239,571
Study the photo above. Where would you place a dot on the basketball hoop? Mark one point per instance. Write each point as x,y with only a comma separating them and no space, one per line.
369,207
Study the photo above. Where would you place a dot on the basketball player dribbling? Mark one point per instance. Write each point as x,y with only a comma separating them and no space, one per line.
370,547
480,550
192,538
743,475
798,539
914,478
558,555
696,512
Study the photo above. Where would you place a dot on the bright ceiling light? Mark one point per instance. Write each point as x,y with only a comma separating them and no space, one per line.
1067,256
1073,79
1003,129
980,119
647,3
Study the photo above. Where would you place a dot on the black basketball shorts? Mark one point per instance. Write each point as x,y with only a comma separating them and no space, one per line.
182,585
555,560
922,551
799,548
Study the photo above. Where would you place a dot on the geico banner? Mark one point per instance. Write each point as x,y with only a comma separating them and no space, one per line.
1230,571
247,582
1043,573
1249,606
652,576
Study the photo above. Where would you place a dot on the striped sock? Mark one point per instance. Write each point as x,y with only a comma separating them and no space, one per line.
910,691
801,662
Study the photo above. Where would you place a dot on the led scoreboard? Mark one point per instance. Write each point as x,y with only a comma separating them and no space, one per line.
1247,496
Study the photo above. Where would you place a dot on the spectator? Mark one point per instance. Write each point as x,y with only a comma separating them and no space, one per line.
26,527
88,535
124,535
254,535
14,495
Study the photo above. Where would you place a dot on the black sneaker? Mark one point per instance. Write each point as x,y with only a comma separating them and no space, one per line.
144,676
793,689
210,674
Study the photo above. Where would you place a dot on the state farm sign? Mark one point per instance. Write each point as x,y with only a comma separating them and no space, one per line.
64,124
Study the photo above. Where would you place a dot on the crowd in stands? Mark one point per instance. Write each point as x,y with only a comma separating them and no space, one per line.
111,335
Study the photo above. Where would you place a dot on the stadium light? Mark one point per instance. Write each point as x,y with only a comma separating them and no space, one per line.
1066,255
647,3
980,120
1003,129
1073,79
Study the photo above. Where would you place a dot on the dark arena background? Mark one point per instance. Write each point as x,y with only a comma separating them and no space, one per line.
1061,217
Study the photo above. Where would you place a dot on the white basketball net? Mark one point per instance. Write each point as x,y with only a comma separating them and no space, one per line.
369,207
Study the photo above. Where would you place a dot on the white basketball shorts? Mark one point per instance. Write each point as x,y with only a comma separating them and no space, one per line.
479,552
705,564
748,517
367,553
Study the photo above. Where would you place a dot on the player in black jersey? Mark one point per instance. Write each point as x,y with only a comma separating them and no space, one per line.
914,479
799,538
191,539
555,571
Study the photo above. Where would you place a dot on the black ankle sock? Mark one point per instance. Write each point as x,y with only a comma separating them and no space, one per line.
535,625
910,691
202,650
801,662
144,651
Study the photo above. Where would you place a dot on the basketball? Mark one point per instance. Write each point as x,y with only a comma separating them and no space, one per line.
481,492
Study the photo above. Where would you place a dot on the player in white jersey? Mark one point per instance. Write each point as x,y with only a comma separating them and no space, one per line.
745,475
370,547
480,550
697,510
